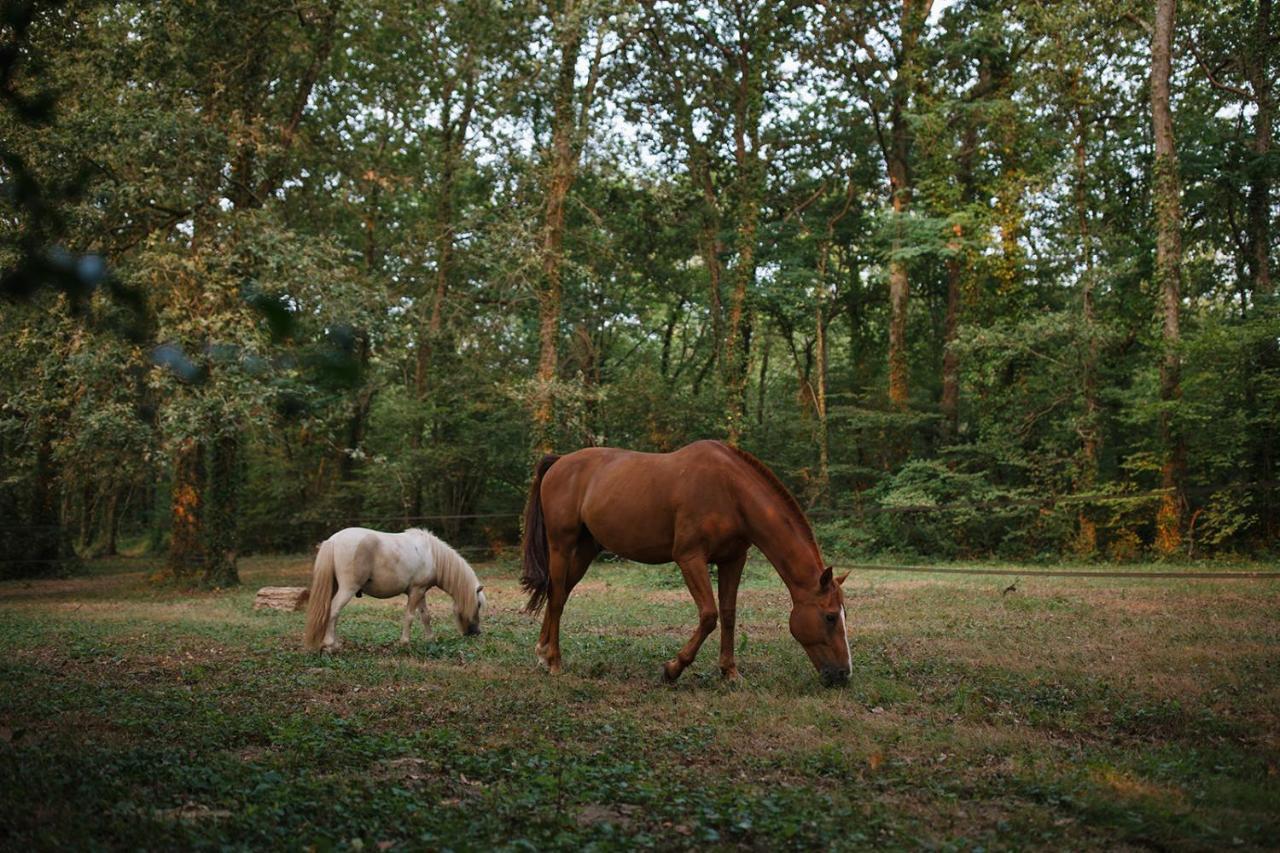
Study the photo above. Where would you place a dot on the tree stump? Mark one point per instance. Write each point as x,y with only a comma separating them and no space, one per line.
282,598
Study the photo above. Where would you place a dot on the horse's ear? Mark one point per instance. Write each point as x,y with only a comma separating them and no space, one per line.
840,580
825,580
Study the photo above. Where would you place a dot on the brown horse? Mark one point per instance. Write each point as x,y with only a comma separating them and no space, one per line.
705,503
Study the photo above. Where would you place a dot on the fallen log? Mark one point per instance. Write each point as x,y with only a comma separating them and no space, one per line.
282,598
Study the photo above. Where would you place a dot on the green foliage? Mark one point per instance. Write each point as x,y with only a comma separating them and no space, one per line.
326,259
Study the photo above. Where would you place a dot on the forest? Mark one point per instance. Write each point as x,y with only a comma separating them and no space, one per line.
977,279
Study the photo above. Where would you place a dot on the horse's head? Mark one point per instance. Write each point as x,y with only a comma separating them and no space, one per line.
468,614
817,623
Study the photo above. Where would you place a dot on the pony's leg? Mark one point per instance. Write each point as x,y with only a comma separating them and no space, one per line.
416,595
727,577
424,615
699,583
340,599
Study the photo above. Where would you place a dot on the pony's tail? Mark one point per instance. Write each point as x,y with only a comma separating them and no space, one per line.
536,576
324,585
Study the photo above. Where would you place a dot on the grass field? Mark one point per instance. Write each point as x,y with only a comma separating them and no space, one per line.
1069,713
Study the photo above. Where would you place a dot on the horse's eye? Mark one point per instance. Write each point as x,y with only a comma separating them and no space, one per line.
831,618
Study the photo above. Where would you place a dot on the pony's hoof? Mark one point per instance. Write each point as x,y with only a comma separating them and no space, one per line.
671,671
731,676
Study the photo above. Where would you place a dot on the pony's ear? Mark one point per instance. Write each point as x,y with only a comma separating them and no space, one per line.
840,580
479,589
825,580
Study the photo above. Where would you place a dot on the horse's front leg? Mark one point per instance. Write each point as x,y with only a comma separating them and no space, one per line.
727,577
699,583
424,614
416,595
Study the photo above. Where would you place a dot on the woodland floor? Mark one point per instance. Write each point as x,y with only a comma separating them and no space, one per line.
1077,713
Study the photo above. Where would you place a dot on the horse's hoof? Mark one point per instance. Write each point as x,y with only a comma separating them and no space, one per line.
549,666
731,676
671,671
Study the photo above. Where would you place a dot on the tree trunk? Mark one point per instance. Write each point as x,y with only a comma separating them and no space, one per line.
1090,428
222,512
914,13
735,348
820,403
111,523
49,549
950,402
187,551
567,124
1259,203
764,377
1168,272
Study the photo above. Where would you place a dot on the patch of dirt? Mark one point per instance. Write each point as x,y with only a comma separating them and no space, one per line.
192,812
621,815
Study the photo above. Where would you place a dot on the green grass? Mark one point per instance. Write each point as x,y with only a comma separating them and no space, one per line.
1071,713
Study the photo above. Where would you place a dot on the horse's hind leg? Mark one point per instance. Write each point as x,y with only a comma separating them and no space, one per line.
340,599
699,583
564,572
414,606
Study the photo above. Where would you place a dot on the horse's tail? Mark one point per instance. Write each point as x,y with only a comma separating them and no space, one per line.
536,576
324,585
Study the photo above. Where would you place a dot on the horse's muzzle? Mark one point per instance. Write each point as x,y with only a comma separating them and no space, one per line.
834,676
473,630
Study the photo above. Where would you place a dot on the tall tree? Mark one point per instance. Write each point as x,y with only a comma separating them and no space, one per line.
1167,202
573,25
882,52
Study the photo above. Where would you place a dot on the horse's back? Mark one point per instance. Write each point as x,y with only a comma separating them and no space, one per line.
645,506
373,560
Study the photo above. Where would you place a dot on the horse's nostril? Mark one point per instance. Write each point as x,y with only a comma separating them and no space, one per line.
833,677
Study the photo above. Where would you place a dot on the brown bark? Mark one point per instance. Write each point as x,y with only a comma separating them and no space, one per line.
570,120
1168,273
899,284
950,402
823,484
911,24
1090,429
111,523
1259,203
187,551
748,191
222,512
764,377
563,166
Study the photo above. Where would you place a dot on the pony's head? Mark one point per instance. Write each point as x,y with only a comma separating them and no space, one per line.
466,609
817,623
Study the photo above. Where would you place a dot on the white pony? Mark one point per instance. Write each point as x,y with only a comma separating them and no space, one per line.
358,561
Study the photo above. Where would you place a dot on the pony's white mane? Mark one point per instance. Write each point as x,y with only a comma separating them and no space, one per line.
453,573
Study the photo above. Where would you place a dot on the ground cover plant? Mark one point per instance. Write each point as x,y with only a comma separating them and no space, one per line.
1066,713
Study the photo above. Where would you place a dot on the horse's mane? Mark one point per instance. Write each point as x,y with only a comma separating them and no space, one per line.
453,573
788,500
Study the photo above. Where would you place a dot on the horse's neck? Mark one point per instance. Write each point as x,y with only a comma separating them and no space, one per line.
449,575
784,538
